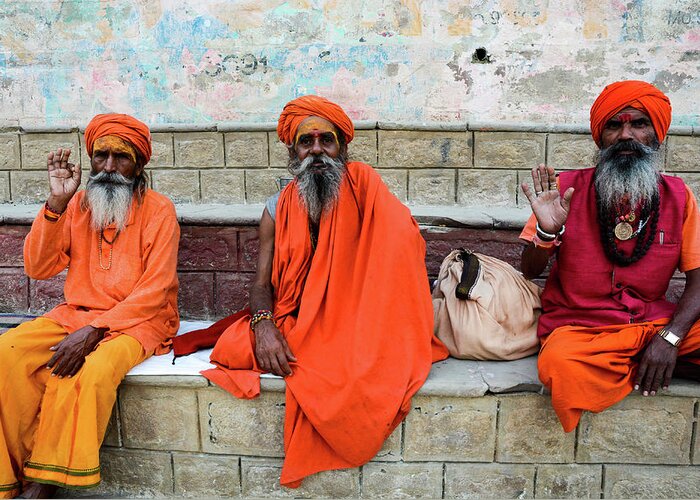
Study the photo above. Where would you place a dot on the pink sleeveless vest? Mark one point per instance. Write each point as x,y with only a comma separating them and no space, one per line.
585,288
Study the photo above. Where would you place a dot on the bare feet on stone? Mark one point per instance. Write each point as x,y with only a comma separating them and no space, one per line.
38,490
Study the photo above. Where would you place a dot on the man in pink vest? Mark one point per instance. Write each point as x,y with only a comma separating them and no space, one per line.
619,232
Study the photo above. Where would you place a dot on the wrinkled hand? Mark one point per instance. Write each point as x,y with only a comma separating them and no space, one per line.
70,352
656,366
550,209
64,178
271,349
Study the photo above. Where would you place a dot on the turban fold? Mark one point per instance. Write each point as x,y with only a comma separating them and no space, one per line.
123,126
301,108
631,94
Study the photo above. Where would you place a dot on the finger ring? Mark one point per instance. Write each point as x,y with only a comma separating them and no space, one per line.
537,193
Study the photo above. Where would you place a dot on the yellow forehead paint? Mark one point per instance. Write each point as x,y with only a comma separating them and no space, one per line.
115,145
317,125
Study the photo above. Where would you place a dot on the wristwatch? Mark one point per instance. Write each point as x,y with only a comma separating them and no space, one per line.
669,337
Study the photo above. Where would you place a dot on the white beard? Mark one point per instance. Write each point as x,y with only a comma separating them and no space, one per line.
109,199
318,191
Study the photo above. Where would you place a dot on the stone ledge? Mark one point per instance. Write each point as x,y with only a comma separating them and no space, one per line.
249,215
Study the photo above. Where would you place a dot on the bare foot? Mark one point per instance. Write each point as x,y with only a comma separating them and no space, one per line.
38,490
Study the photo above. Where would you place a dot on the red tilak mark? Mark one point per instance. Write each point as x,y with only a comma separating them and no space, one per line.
624,117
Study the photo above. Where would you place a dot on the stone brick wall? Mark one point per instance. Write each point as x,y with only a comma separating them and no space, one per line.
498,445
424,165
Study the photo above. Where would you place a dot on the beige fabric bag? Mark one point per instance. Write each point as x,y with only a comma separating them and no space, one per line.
498,322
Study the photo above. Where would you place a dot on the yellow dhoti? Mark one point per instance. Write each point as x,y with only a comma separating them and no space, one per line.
51,428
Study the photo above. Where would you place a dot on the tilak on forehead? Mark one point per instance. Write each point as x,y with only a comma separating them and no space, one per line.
116,145
315,126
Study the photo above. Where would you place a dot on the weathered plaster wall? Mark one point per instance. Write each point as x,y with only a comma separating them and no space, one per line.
198,61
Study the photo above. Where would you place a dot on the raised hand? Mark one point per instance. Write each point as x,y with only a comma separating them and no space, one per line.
64,178
550,208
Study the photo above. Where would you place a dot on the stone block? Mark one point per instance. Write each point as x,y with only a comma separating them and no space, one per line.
199,150
242,427
508,149
112,434
195,296
142,424
134,473
206,476
260,478
181,186
36,147
569,481
14,290
5,194
451,429
396,180
279,154
231,292
261,184
487,188
364,147
529,431
417,480
29,187
639,481
12,245
208,248
44,295
651,430
416,149
683,153
10,153
570,151
391,449
223,186
489,481
248,245
246,149
431,187
163,153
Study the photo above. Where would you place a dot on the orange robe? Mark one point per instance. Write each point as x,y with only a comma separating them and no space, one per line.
357,314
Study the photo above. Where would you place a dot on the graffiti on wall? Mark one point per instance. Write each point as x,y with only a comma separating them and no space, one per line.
203,61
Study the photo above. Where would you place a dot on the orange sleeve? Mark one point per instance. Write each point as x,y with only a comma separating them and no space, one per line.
150,294
529,230
47,246
690,243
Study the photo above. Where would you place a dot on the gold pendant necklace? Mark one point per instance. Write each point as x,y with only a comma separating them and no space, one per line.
111,247
623,231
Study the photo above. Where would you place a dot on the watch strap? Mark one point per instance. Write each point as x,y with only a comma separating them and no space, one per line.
669,337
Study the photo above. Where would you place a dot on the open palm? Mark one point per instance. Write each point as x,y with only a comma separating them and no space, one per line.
550,208
64,177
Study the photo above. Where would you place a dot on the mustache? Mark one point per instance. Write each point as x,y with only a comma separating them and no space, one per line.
637,148
110,178
297,168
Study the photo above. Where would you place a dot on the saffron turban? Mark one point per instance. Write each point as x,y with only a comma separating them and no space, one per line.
123,126
631,94
301,108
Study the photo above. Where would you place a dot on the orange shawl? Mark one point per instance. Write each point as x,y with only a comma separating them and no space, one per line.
357,314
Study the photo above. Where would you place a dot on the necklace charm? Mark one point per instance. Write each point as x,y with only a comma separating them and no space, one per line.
623,231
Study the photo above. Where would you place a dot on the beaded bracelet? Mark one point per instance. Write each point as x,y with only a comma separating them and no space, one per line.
259,316
49,214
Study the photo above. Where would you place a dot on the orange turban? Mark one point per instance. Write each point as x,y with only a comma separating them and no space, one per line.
631,94
301,108
123,126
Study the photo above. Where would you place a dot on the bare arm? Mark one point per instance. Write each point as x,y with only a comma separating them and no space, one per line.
533,260
659,358
271,349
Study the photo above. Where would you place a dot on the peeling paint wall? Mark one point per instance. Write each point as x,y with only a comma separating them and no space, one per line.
201,61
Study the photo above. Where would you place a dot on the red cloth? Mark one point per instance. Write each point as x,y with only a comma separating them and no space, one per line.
124,126
635,94
301,108
358,316
205,338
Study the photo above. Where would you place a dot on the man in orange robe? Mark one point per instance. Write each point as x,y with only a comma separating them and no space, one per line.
59,373
341,302
606,326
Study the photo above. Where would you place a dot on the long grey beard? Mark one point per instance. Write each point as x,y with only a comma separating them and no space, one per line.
318,191
634,177
109,197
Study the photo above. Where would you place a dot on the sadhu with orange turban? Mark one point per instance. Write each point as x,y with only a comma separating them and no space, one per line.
120,308
606,326
352,353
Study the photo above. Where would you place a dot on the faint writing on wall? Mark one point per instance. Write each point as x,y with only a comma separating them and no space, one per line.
687,18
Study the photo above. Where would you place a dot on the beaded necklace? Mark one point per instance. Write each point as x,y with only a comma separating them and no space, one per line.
111,247
614,227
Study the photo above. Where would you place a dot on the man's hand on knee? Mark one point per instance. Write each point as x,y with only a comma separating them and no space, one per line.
271,350
656,366
70,352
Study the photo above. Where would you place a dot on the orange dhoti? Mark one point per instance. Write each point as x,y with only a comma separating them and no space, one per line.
592,368
51,428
